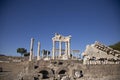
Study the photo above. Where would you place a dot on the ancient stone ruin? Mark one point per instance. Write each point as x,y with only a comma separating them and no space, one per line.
98,53
99,63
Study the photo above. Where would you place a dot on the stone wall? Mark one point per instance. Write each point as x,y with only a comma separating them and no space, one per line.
101,72
70,68
58,69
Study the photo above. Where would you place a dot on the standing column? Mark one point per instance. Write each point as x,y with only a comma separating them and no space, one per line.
31,49
66,48
38,56
69,48
60,48
53,49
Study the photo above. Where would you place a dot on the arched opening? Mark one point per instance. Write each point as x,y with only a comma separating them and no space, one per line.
44,74
35,67
81,73
62,72
60,63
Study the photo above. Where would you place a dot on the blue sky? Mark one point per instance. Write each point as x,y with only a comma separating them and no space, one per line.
85,20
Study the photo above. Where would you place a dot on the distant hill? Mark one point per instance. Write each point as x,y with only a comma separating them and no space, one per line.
2,55
116,46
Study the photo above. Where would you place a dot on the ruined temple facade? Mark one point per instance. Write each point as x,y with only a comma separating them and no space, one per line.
62,66
61,39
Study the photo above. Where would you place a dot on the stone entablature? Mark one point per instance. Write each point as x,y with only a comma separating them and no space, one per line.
98,53
61,38
106,49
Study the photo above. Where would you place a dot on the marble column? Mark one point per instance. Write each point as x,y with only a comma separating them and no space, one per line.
69,48
38,55
60,48
53,50
31,49
66,48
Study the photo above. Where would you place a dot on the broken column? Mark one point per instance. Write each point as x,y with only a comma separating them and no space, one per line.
31,49
38,55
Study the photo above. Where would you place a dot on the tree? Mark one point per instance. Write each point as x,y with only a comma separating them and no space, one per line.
116,46
45,52
22,51
26,54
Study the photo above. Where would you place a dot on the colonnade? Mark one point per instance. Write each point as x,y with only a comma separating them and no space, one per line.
57,38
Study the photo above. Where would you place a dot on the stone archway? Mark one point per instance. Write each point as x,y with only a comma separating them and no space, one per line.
44,73
62,71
